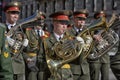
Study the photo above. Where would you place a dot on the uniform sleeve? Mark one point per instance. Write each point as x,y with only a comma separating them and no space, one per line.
6,72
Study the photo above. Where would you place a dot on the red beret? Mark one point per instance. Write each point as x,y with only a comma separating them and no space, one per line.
12,6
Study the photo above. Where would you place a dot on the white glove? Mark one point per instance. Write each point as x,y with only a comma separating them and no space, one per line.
88,39
80,39
10,41
25,42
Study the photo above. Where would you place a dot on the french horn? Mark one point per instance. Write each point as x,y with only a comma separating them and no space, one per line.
64,54
82,44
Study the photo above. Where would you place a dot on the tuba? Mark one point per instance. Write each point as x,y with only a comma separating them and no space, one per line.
109,38
82,44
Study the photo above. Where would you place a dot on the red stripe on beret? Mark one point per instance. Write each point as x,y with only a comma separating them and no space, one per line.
101,14
15,8
80,15
61,17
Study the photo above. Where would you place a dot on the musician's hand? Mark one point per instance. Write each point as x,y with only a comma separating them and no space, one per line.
80,39
25,42
97,37
10,41
31,62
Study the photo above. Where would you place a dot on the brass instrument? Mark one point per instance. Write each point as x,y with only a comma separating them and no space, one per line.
109,38
16,38
64,54
82,44
24,22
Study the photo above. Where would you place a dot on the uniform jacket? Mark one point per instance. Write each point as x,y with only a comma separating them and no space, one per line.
79,66
35,41
35,52
17,62
50,42
6,70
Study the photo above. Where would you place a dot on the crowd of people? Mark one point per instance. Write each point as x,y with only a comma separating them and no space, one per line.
28,52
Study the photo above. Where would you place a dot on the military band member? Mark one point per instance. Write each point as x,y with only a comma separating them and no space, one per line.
6,70
36,63
115,58
101,65
80,66
60,20
12,13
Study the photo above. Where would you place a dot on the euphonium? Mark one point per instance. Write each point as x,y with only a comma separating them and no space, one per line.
87,35
16,38
109,38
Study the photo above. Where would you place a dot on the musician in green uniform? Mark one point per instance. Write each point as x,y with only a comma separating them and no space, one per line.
35,61
12,13
115,57
100,65
79,66
6,70
60,21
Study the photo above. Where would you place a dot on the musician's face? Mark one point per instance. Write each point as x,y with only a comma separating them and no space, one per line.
79,22
60,27
12,16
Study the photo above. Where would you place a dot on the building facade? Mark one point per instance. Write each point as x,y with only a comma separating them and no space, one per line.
49,6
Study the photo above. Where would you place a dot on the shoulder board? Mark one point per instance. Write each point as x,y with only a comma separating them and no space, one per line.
45,36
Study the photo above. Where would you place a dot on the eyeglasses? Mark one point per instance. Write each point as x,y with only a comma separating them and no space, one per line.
80,18
14,12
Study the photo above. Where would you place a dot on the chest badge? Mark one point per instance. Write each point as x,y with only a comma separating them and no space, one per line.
6,54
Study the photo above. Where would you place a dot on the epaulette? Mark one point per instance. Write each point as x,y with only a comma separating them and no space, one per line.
46,35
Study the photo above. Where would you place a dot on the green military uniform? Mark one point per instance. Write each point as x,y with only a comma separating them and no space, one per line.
36,68
115,59
18,64
48,44
80,66
6,70
115,63
100,65
31,52
60,21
